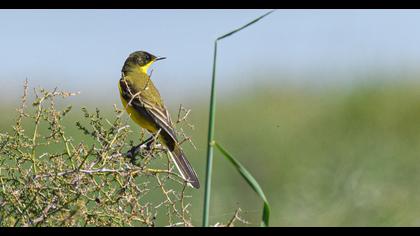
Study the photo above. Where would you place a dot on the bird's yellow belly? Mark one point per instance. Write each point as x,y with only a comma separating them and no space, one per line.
138,118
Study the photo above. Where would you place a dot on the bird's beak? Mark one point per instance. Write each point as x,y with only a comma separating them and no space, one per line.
160,58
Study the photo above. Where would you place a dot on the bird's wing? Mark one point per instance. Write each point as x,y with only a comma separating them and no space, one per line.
151,107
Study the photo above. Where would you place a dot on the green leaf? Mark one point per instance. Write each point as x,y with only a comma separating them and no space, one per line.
243,27
212,112
251,181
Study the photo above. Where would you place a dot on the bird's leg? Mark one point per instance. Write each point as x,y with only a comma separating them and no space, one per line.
136,149
147,144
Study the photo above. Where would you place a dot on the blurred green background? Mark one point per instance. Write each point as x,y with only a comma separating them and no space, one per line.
330,132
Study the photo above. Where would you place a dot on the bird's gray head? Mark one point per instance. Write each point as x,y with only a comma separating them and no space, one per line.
139,59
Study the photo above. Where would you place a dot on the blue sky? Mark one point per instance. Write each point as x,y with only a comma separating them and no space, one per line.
84,50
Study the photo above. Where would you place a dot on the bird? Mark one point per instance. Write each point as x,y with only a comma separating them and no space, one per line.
143,103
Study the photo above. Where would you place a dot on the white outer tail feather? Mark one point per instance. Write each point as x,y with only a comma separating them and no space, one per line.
179,170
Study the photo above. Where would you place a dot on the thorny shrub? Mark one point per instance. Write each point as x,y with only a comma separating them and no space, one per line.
48,179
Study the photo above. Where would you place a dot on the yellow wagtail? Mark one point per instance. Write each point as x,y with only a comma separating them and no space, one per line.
144,105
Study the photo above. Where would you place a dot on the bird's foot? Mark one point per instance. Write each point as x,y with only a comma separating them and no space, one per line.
134,151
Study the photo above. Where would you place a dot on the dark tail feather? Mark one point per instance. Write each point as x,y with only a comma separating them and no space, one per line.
184,166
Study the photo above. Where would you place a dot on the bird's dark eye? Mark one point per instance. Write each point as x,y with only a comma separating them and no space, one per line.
147,57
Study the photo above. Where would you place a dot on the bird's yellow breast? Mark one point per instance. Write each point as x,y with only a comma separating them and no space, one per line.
136,116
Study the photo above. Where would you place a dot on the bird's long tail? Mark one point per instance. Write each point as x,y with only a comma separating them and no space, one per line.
184,167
